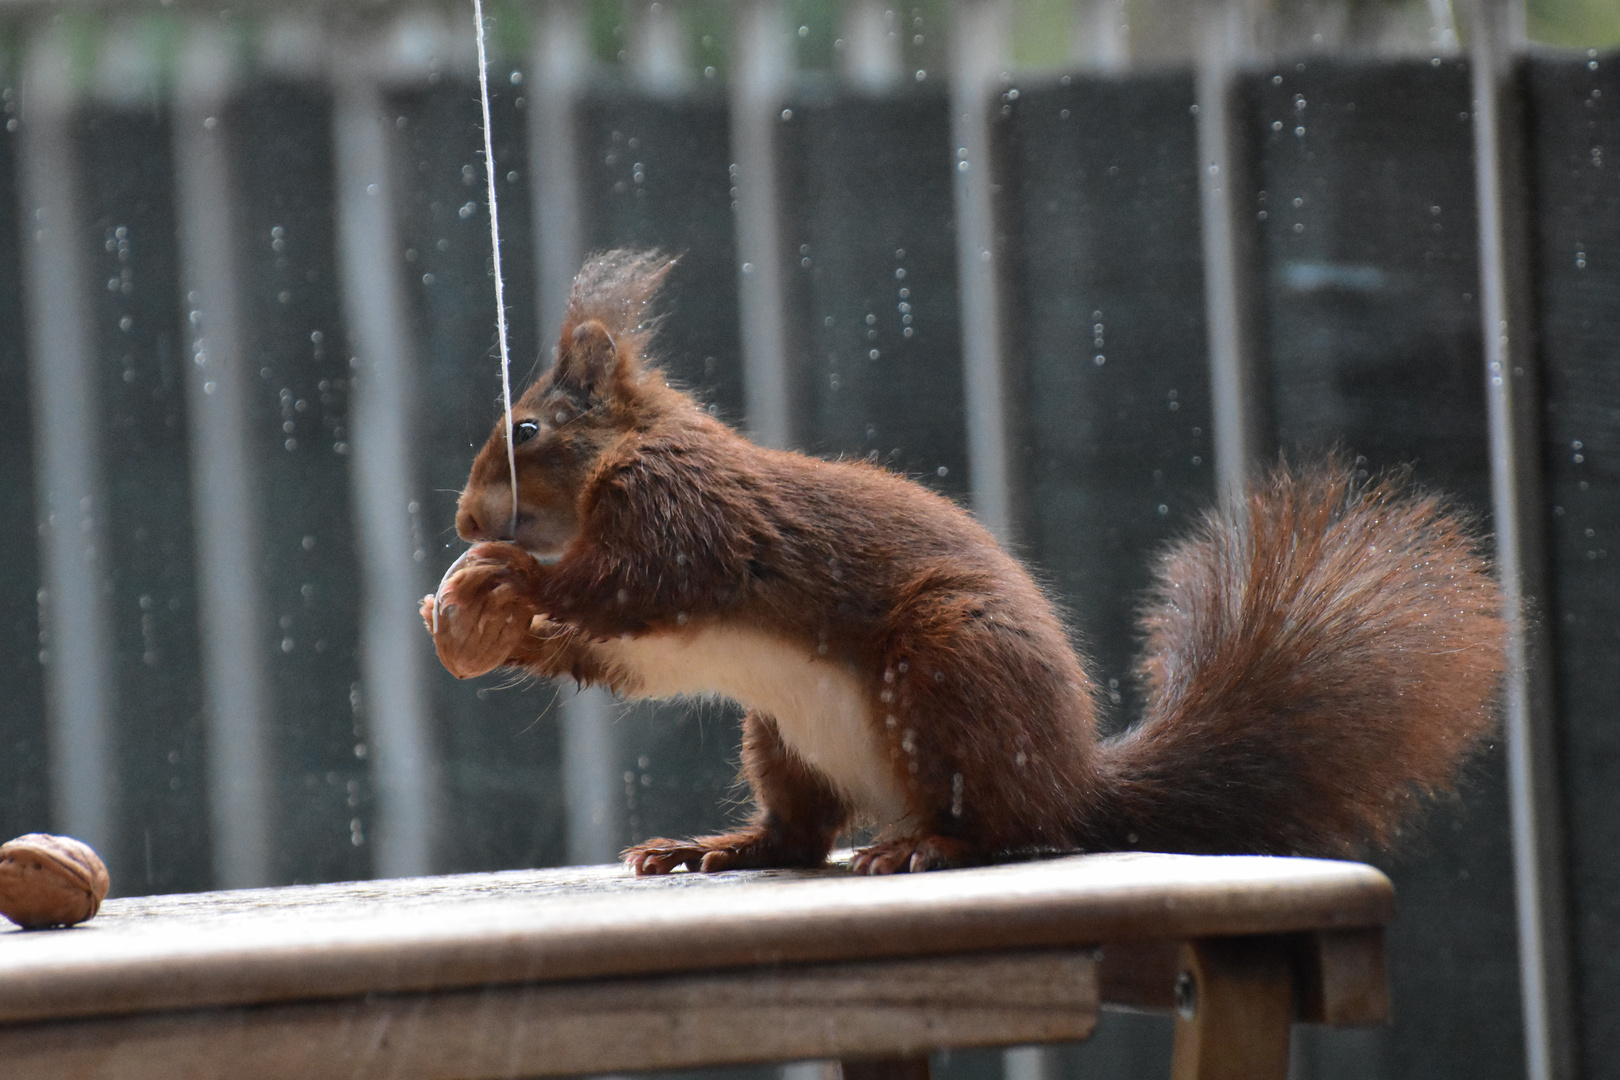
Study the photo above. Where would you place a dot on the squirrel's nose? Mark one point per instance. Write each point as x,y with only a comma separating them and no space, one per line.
469,528
483,521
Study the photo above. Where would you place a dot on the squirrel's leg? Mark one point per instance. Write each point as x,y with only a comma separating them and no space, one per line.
796,818
976,736
555,650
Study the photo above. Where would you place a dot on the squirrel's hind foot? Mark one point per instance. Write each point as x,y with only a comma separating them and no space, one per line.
915,854
752,849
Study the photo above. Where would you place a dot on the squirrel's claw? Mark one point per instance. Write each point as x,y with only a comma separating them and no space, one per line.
913,855
663,856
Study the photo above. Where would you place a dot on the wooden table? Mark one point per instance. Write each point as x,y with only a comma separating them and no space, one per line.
590,970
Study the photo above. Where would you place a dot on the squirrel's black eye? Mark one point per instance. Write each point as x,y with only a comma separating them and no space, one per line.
523,431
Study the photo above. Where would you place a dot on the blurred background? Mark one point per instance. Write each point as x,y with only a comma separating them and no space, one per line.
1076,263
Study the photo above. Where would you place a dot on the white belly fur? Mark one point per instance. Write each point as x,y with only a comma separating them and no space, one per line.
818,704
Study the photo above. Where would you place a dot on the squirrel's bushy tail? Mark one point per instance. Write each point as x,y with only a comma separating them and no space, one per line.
1317,661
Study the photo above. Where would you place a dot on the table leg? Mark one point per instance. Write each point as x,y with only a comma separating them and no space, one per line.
906,1068
1234,1005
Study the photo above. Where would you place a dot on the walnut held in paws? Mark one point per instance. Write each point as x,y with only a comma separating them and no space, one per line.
50,881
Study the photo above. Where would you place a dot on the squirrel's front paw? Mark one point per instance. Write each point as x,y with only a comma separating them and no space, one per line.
482,613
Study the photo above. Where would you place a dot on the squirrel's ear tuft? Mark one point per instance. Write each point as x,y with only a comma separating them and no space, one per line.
588,361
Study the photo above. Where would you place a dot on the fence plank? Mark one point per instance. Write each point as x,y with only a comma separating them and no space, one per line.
1107,332
395,654
1574,106
61,346
874,304
24,795
1373,335
657,174
502,780
979,54
282,173
559,65
231,603
139,385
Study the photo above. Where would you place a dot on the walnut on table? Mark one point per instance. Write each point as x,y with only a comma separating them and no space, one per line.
50,880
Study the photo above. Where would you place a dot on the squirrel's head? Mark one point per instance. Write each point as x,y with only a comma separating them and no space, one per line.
560,427
596,393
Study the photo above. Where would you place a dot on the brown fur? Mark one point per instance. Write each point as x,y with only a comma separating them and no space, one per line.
1313,663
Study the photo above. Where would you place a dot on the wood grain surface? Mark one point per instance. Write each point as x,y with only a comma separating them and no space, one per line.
309,943
793,1012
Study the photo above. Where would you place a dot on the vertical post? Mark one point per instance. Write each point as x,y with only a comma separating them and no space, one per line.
1102,35
232,608
658,49
1443,28
591,786
1234,1009
906,1068
393,649
1029,1063
1237,418
978,57
871,45
78,653
559,62
593,792
1513,405
812,1070
759,84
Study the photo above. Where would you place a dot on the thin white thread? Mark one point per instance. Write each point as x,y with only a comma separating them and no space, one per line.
495,246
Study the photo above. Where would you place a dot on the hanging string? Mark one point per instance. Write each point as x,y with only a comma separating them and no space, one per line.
495,246
500,308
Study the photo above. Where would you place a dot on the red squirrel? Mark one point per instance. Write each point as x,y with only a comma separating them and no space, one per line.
1317,659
